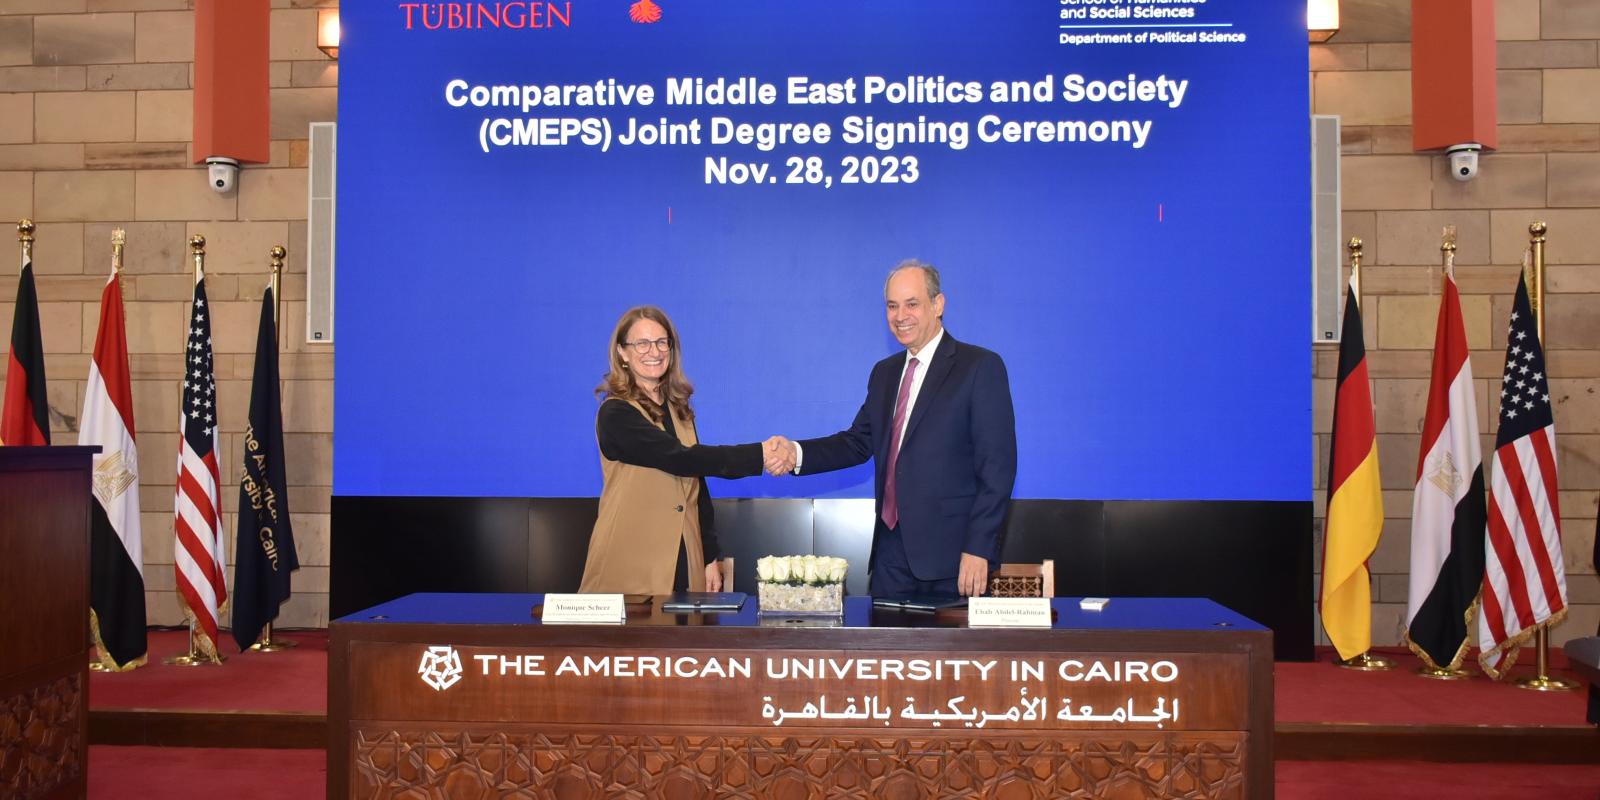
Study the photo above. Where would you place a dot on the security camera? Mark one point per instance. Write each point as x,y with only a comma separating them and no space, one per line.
224,173
1464,160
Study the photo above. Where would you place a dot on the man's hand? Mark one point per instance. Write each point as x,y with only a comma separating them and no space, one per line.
714,576
973,579
779,454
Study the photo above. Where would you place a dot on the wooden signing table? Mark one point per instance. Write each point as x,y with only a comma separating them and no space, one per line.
467,695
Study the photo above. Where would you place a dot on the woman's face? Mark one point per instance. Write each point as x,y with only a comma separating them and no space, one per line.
650,365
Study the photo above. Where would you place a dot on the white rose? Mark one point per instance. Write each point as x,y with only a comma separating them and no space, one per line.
811,569
797,567
764,569
780,570
838,568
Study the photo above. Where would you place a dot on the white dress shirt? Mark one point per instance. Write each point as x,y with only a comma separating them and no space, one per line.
922,356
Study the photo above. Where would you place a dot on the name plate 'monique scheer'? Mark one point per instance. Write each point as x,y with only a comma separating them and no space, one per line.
584,609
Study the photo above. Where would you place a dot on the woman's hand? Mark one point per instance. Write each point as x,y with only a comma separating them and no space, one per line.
714,576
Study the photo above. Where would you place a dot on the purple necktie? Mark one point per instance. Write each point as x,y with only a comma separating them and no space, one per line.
891,511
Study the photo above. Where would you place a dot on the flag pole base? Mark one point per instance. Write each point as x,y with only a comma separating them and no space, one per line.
1545,683
192,659
268,644
1542,682
1366,662
1444,673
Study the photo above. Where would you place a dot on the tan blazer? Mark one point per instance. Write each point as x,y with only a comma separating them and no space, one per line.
644,514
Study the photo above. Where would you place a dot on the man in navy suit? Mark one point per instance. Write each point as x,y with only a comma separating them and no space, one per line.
939,426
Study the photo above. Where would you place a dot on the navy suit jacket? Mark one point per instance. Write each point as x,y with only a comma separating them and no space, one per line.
958,460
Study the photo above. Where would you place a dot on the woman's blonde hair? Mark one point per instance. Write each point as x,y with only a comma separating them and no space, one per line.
619,381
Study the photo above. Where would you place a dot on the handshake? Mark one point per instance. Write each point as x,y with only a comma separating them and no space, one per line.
780,455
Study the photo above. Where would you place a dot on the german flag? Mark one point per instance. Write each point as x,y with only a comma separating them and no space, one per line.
25,419
1355,497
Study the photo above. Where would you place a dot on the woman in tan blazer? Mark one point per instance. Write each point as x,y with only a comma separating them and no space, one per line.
655,514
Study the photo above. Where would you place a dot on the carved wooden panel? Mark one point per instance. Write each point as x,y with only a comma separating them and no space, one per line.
460,763
41,742
1016,586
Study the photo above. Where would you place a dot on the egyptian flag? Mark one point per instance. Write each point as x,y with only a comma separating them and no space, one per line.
25,418
116,568
1448,507
263,552
1355,498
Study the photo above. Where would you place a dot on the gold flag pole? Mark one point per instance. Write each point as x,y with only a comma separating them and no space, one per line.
119,238
1536,233
1542,682
98,664
194,658
1366,661
1355,248
268,644
1447,250
25,237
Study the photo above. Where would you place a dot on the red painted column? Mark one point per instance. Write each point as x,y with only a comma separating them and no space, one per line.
232,104
1452,73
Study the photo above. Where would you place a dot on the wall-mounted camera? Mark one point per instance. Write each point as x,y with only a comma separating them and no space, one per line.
224,174
1464,160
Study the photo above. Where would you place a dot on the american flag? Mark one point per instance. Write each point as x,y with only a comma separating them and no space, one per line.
1524,582
202,580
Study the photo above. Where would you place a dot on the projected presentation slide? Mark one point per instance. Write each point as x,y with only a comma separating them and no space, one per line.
1115,191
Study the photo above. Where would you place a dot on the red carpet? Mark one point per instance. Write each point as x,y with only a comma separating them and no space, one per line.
287,680
175,773
1412,780
1321,692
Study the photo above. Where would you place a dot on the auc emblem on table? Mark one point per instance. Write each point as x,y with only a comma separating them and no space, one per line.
440,667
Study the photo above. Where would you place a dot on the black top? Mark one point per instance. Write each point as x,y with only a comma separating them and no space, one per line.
626,435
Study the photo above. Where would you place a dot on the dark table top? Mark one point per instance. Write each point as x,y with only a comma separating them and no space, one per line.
1122,613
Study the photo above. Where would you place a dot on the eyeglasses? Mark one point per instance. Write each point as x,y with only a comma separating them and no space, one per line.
646,345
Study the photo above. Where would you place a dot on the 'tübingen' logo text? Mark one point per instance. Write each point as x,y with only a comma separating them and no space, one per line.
440,667
644,11
473,16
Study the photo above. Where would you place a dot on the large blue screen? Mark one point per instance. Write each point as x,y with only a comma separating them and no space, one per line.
1116,192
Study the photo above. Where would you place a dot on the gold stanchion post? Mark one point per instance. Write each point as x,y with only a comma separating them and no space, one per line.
194,658
1365,662
268,644
1542,682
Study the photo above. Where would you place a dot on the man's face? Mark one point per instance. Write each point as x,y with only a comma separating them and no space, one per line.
913,318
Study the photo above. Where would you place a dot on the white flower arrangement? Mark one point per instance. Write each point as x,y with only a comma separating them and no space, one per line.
801,570
801,584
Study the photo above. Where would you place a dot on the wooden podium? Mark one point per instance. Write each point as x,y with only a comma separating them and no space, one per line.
44,629
467,695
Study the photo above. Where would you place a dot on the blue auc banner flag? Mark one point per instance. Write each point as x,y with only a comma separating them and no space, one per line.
264,552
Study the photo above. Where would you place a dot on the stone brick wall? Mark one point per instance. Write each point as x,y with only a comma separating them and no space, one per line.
1397,201
96,114
95,123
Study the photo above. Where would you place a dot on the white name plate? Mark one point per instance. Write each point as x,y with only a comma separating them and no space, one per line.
583,609
1008,612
